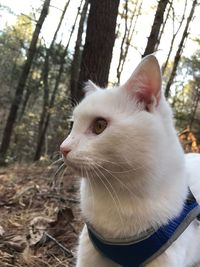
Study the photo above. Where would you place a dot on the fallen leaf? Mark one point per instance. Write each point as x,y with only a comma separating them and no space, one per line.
38,226
2,231
17,243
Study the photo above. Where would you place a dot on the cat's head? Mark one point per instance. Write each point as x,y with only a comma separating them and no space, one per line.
121,128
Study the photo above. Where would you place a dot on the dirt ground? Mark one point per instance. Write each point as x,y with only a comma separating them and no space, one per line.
39,216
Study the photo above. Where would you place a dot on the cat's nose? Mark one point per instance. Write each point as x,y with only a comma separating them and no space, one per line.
64,151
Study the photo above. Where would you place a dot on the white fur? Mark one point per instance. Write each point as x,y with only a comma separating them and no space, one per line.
134,172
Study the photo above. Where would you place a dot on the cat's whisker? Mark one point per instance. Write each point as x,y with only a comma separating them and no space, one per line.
56,161
121,163
56,154
112,162
84,173
139,165
61,178
57,174
107,188
59,169
119,166
118,205
90,180
118,180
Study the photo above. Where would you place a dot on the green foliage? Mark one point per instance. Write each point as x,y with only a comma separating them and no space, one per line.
14,43
186,101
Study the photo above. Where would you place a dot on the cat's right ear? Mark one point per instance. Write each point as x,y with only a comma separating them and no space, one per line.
90,88
145,83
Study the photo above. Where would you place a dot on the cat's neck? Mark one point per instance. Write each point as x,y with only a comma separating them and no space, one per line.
117,211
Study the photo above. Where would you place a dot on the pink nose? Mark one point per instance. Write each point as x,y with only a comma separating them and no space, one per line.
64,151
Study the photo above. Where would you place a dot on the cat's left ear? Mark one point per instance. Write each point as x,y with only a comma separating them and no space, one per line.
145,82
90,88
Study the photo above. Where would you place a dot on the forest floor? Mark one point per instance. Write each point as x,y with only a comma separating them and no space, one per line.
39,217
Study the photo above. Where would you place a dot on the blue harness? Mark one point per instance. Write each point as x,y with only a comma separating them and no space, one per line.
138,253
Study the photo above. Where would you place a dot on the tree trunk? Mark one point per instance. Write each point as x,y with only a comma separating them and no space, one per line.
47,115
155,30
129,36
75,66
180,49
44,126
24,104
174,36
45,75
100,38
124,40
21,84
194,109
162,29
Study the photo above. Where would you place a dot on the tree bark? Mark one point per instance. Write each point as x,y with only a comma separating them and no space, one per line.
124,39
75,66
100,38
180,49
21,84
155,30
162,29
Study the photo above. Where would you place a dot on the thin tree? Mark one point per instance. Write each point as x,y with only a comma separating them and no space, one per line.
45,74
175,33
75,66
163,25
12,116
180,49
124,39
128,37
155,30
28,91
42,133
194,108
100,38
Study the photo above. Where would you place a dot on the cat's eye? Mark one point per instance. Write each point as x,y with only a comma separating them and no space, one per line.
99,126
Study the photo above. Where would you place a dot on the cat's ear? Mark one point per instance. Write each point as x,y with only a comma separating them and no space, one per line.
90,88
145,82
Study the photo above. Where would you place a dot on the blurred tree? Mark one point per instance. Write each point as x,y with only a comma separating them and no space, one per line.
47,103
46,116
21,84
13,42
187,101
75,67
175,32
180,48
130,16
155,30
163,26
26,134
100,38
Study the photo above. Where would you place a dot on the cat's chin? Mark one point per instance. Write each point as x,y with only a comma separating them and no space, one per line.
79,168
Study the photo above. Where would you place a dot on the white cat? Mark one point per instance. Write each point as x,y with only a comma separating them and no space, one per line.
134,178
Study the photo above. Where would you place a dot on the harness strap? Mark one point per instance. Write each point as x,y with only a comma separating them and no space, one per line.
138,253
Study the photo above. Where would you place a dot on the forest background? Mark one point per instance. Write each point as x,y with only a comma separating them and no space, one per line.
48,50
44,63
